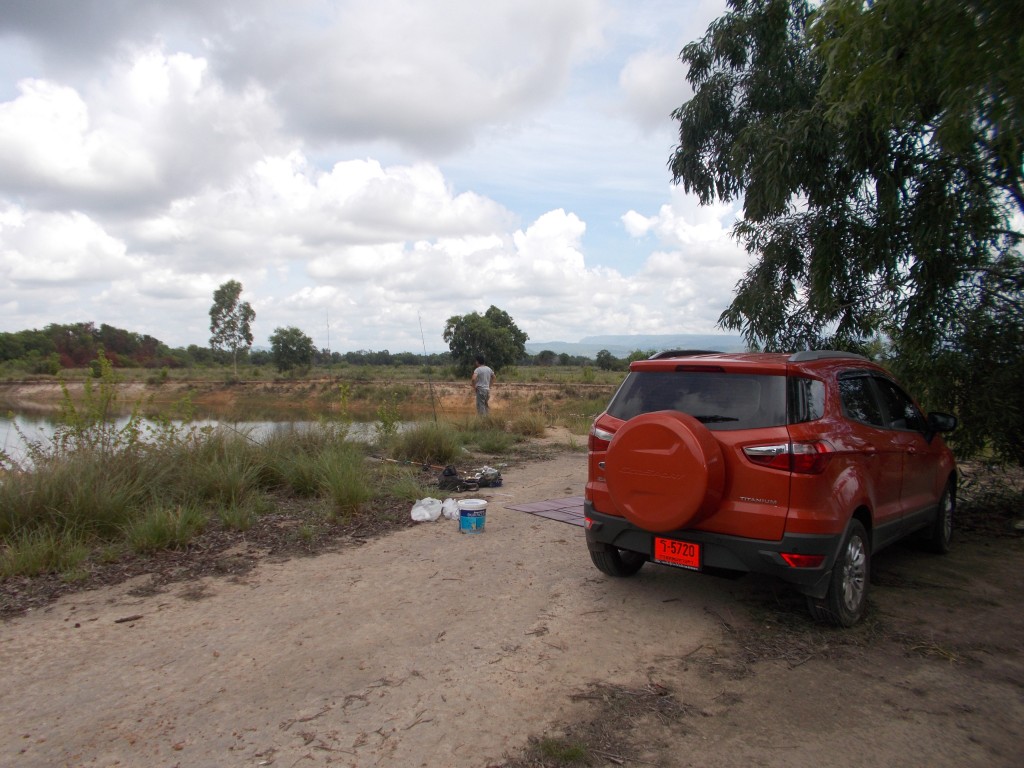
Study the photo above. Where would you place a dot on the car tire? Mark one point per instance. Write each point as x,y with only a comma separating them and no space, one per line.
940,532
847,598
617,562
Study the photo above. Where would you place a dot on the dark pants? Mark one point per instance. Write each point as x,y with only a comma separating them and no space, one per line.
483,397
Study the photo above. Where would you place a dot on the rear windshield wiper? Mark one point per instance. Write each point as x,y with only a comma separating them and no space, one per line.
713,419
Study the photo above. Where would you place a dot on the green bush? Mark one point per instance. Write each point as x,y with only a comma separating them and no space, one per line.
388,419
494,442
229,479
529,424
84,493
164,527
38,551
406,485
343,480
240,515
427,443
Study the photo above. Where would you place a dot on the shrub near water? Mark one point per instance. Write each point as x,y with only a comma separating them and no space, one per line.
406,485
225,471
529,424
83,494
342,474
488,435
427,443
165,528
288,458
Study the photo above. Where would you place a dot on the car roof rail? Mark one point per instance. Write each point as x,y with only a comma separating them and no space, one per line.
682,353
823,354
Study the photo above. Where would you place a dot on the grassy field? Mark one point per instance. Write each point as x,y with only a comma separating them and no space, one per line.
102,490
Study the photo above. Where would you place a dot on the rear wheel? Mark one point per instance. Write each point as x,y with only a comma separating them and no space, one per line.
847,597
617,562
940,533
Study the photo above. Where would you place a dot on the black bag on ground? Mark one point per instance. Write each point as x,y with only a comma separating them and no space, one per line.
451,480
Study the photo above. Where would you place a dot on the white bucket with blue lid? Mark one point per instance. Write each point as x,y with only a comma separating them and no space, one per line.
472,515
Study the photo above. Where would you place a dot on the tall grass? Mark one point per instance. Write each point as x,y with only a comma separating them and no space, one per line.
404,484
427,443
164,527
146,499
224,468
97,490
488,435
99,487
343,480
84,493
528,424
288,460
33,552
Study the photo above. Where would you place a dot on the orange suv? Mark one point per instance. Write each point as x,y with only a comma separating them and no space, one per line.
798,466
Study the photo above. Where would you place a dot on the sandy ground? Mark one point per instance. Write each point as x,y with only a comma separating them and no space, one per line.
434,648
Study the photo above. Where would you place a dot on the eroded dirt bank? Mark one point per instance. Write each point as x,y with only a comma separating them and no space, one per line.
433,648
322,395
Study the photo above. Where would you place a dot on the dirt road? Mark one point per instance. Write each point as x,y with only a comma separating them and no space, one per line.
432,648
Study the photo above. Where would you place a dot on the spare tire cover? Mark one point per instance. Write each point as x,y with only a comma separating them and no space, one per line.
664,470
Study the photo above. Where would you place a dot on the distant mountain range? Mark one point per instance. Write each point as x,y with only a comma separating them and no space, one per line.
622,345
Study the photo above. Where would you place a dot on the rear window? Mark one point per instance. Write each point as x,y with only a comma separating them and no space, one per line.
722,401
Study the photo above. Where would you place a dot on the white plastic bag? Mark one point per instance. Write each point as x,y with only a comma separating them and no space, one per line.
426,510
450,509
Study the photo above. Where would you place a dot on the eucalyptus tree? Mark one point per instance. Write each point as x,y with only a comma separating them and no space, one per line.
878,151
231,321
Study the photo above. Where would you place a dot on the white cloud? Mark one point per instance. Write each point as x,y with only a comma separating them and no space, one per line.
156,127
426,76
47,248
653,84
284,210
46,140
295,147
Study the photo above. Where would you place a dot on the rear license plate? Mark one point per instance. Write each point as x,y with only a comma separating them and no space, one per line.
682,554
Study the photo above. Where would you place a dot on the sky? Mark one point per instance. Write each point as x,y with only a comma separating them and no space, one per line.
365,168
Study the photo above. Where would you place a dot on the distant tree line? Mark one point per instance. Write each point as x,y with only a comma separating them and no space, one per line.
75,345
493,335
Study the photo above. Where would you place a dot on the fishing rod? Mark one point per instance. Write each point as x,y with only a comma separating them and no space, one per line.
422,466
430,382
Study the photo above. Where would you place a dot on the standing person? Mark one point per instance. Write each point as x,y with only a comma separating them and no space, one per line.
482,379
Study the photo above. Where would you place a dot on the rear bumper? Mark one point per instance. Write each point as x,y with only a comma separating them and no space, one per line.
728,553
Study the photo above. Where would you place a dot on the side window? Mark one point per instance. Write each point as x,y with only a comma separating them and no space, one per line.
806,400
900,411
859,401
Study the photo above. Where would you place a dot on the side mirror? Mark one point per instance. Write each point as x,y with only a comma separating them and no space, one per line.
941,422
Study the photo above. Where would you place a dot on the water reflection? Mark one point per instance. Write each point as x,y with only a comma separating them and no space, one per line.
17,428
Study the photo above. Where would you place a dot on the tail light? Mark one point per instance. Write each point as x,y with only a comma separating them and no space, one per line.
599,439
802,458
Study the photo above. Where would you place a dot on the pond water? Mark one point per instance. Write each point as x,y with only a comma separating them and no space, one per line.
16,428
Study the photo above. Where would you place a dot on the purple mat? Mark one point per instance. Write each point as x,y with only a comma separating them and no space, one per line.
568,510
